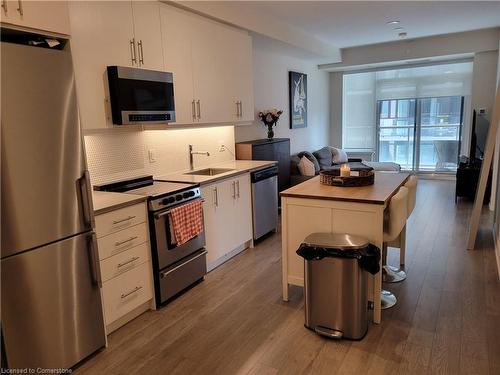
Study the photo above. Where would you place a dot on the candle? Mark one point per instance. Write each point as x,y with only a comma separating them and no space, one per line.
345,170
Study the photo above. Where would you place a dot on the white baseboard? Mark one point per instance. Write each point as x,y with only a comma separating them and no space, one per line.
216,263
113,326
496,240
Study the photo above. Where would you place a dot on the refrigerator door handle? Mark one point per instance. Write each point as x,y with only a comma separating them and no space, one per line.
86,190
94,260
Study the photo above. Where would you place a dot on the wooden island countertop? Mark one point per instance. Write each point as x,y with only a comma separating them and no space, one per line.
384,187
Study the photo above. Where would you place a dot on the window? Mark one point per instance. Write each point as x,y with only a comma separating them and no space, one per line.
421,134
410,115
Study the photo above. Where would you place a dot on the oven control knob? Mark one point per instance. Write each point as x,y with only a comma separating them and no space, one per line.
178,197
186,195
191,193
168,200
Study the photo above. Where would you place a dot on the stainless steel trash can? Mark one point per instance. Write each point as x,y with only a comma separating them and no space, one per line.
336,267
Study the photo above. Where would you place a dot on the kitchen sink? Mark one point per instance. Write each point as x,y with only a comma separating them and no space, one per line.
209,171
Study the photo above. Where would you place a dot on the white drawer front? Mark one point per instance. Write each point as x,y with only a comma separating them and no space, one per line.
123,240
123,218
125,261
124,293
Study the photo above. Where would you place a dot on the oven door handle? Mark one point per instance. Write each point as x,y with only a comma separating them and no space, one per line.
165,273
157,216
163,213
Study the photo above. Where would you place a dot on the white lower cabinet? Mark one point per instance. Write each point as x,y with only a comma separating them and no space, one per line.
125,264
227,214
124,293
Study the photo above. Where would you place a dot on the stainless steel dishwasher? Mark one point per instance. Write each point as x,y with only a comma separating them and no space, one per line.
264,201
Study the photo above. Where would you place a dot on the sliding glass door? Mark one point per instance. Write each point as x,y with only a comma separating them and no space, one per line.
396,129
420,134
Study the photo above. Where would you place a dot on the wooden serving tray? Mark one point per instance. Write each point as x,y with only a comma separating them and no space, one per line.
333,178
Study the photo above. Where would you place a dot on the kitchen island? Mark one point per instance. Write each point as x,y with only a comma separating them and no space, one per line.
312,207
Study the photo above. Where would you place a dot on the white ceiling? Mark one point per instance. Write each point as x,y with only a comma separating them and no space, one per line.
355,23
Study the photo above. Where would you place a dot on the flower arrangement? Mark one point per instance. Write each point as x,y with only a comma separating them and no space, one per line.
270,118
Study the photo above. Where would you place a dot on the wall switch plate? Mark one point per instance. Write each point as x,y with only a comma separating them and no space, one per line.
152,156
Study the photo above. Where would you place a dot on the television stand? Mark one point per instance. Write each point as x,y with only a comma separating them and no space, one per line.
468,173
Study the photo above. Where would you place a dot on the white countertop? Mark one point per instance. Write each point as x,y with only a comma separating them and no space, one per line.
106,201
236,166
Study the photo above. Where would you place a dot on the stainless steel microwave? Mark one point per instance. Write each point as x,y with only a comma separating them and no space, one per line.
140,96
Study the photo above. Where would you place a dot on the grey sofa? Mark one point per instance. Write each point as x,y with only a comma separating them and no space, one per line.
322,161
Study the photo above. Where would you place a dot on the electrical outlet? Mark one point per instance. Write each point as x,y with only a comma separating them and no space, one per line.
152,156
222,148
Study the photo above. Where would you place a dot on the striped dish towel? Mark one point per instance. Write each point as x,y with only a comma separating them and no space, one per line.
187,221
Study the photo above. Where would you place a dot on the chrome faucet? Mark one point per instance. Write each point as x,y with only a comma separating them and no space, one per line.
191,153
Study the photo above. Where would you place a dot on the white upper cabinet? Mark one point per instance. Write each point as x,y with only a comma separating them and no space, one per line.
50,16
176,41
211,62
217,59
106,33
102,35
236,75
147,34
207,87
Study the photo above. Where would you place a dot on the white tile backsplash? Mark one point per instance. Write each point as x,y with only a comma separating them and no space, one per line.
117,154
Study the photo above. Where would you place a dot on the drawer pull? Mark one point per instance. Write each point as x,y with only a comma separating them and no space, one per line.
128,262
125,295
119,243
165,273
123,220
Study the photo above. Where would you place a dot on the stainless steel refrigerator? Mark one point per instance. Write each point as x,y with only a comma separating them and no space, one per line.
51,306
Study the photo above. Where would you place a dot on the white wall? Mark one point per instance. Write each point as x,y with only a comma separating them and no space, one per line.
483,80
483,44
117,154
336,88
496,168
270,72
469,42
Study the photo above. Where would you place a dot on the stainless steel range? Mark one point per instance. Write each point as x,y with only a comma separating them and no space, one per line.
176,267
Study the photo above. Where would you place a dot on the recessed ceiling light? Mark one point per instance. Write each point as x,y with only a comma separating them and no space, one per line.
398,28
390,23
402,35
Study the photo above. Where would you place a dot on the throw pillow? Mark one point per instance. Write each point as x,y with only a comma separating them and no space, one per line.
324,157
339,156
306,167
311,158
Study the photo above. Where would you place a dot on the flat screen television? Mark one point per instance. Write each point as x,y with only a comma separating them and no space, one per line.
479,135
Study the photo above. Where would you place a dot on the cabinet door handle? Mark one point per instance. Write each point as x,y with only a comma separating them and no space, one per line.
241,108
141,52
125,295
237,109
133,55
238,188
233,184
216,197
123,220
20,7
131,260
4,6
119,243
193,109
198,105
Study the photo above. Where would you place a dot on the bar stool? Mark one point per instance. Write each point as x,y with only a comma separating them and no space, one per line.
395,223
411,185
393,274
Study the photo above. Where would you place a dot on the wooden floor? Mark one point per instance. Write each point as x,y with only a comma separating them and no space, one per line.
447,319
